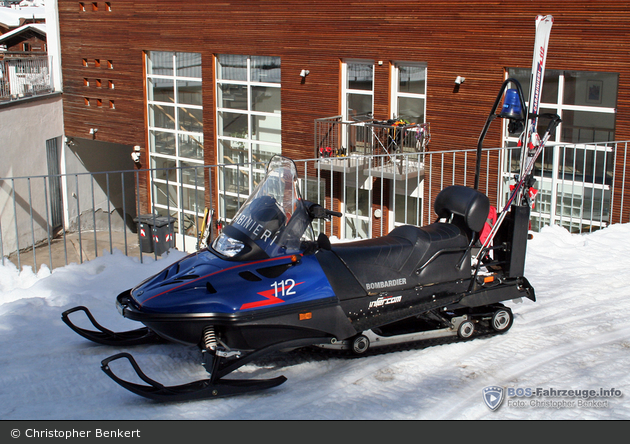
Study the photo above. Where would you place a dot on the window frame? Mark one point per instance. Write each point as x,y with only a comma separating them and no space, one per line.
248,167
346,90
552,181
173,181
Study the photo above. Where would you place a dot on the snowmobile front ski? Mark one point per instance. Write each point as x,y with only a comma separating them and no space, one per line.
104,336
218,363
206,388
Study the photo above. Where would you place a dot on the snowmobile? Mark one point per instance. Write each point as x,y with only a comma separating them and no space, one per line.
267,284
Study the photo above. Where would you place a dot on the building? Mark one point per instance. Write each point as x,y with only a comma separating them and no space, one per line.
30,38
207,82
31,127
14,15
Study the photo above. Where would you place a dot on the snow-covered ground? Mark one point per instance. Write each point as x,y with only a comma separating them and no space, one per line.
575,337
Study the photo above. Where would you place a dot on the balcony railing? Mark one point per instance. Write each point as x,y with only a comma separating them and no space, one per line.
22,77
98,209
335,137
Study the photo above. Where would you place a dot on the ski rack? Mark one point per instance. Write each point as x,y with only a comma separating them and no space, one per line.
493,116
523,179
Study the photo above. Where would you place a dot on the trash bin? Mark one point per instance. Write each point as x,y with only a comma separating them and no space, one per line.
156,233
144,230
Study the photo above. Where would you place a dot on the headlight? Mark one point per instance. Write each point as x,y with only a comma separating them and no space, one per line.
227,246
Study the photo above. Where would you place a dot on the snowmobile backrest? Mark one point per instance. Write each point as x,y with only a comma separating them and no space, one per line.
468,205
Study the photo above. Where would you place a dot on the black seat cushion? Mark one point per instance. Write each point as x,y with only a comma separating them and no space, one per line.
392,261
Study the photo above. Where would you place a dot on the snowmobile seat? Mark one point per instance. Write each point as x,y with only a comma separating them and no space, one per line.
463,206
406,257
410,255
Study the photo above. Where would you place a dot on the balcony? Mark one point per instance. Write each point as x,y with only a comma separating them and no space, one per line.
371,147
24,77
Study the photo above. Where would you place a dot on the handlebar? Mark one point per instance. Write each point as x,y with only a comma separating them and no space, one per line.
318,212
334,213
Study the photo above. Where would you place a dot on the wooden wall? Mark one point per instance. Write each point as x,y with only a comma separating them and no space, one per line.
474,39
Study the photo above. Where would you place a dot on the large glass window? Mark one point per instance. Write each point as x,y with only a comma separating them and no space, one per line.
574,170
175,134
248,124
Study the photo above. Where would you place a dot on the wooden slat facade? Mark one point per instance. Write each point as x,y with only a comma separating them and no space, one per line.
476,39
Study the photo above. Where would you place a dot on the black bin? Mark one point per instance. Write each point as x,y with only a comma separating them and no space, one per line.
157,233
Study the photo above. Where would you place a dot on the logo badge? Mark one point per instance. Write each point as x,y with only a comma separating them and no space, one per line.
493,396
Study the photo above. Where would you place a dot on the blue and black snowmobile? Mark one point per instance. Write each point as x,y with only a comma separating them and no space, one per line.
267,284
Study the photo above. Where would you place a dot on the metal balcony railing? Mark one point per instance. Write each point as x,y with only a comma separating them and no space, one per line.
582,190
335,137
22,77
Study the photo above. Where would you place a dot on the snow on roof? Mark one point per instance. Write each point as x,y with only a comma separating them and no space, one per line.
39,27
11,16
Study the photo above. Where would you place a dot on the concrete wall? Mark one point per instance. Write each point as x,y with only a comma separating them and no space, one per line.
98,179
25,126
106,196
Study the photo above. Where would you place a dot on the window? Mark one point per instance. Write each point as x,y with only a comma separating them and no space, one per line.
175,130
248,124
409,91
407,203
358,89
357,211
574,170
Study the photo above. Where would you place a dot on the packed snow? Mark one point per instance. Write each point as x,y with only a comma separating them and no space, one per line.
575,337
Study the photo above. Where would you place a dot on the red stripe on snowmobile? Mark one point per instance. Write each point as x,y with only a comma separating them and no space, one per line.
212,274
271,299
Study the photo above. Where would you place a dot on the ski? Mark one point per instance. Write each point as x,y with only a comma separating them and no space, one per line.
531,139
520,185
206,229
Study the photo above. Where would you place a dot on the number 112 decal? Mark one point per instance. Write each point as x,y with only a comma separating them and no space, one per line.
278,290
284,287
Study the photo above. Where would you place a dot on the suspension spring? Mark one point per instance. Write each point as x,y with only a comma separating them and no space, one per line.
209,338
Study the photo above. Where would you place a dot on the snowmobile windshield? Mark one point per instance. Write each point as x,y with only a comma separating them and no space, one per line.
273,220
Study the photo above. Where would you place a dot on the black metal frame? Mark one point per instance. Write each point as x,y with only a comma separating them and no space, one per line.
493,116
